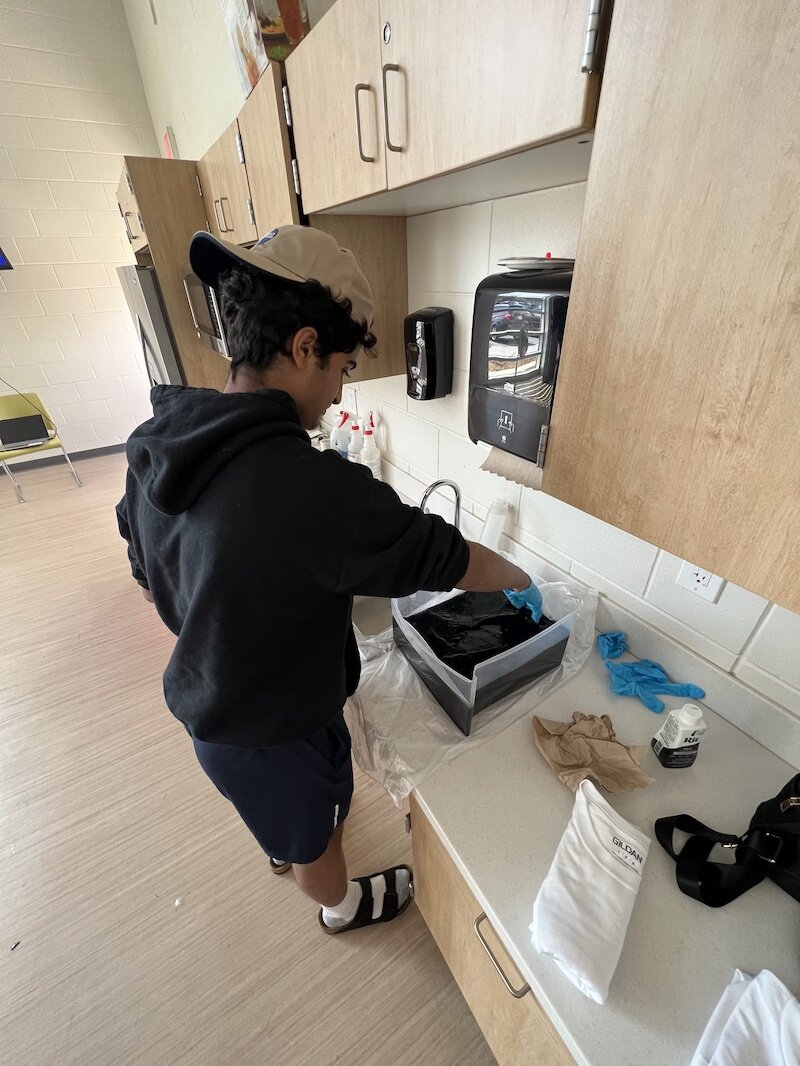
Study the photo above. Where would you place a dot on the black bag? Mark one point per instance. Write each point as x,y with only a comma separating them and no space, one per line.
769,848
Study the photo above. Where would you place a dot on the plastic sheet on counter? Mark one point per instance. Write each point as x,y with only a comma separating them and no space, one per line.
401,734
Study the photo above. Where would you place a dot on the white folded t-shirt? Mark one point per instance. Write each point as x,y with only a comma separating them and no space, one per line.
581,914
755,1023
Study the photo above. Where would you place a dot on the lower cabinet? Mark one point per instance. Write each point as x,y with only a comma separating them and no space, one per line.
517,1030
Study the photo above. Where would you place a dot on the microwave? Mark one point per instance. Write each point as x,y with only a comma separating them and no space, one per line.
204,306
517,333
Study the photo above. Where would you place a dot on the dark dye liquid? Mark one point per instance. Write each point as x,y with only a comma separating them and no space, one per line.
474,627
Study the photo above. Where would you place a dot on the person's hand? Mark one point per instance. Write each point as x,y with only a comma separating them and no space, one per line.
529,598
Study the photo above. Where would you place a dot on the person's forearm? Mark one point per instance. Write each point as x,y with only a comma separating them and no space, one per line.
490,572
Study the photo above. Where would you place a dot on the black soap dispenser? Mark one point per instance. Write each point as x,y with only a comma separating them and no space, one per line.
428,335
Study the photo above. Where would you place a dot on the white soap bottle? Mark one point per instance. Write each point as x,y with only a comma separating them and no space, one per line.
494,524
356,442
678,739
340,436
370,454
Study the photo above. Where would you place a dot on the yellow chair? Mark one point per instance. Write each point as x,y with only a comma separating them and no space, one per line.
18,405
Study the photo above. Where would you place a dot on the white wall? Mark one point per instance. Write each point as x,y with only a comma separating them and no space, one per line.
449,253
71,100
188,68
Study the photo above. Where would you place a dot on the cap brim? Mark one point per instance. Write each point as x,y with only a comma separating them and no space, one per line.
210,257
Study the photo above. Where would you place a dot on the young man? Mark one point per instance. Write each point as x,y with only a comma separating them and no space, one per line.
252,545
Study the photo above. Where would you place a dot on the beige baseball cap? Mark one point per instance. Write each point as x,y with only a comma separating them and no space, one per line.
297,253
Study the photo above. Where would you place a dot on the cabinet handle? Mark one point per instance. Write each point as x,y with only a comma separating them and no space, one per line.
220,224
517,993
131,236
224,200
364,158
124,216
384,71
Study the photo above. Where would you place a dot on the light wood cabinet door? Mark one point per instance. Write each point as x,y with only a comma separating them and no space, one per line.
334,87
677,410
517,1030
226,190
168,197
267,154
466,81
379,244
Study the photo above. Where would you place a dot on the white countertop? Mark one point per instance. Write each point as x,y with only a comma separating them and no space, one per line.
500,811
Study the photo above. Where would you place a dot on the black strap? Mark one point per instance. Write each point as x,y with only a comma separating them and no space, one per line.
390,906
713,883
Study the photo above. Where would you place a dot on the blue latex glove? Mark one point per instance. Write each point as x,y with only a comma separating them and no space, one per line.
644,679
529,597
611,645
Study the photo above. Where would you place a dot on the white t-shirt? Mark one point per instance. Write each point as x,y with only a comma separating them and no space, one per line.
755,1023
582,911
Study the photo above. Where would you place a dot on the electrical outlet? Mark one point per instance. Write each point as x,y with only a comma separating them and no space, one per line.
700,582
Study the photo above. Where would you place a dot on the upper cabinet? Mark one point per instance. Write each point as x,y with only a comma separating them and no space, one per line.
229,208
164,195
464,81
334,80
267,154
677,411
385,95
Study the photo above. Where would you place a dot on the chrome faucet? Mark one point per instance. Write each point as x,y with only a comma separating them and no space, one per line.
456,492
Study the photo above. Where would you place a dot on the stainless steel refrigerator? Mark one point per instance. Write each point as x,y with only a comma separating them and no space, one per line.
140,285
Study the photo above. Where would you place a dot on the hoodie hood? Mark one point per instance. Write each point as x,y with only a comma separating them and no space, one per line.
194,433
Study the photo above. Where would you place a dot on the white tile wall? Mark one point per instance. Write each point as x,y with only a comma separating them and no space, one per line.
17,304
65,301
78,195
99,249
19,99
17,220
50,327
29,278
62,223
103,223
35,353
21,194
46,249
37,163
58,133
776,647
15,132
82,275
71,102
449,253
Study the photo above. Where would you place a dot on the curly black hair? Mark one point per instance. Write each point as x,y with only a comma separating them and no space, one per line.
262,312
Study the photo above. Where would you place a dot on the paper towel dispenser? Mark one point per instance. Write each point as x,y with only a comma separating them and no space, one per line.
517,332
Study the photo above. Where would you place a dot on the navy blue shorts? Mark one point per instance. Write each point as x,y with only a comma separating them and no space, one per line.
290,797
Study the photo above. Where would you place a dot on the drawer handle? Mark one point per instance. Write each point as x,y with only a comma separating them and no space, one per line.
220,224
389,143
364,158
131,235
124,217
517,993
224,200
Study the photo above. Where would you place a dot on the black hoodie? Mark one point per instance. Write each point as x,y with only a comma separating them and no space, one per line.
253,544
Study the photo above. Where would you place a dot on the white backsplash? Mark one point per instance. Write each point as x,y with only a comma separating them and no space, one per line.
449,253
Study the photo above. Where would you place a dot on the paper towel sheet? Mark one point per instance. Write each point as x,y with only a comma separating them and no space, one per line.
512,468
